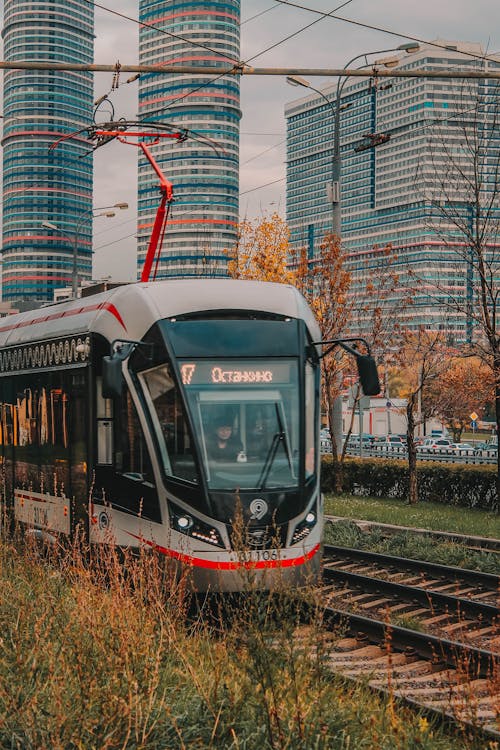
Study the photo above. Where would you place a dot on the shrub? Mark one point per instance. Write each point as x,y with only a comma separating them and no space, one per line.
469,486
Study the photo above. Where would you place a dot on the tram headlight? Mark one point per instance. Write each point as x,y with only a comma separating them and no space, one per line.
193,527
304,527
184,523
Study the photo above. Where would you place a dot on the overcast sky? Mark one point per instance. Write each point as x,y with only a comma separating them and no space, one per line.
329,43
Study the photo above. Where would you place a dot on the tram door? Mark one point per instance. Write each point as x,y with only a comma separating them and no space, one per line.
124,476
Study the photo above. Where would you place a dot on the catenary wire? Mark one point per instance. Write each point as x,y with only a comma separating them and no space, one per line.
259,187
322,15
156,28
382,29
250,59
257,15
261,153
296,33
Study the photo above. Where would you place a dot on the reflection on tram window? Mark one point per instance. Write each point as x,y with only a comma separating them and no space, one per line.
132,458
310,421
37,417
171,423
35,429
246,415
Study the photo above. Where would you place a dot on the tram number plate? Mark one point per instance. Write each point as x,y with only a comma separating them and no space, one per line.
263,554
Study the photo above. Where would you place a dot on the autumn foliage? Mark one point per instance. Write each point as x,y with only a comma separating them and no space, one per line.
262,251
463,387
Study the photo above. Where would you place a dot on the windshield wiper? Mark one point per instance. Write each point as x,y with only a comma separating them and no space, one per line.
284,434
278,437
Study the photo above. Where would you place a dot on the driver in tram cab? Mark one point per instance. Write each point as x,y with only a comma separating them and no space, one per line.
222,444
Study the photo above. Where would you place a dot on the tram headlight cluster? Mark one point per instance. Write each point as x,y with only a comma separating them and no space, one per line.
187,524
304,528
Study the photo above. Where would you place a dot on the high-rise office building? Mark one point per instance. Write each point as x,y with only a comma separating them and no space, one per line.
203,219
390,193
41,183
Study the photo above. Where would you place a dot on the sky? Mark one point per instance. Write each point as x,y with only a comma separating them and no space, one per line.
329,43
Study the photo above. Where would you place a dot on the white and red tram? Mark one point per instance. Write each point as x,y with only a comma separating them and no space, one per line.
108,406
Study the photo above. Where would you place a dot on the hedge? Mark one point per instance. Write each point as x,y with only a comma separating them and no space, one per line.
465,485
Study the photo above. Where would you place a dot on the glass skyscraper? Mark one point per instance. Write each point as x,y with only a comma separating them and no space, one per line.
41,183
390,194
203,219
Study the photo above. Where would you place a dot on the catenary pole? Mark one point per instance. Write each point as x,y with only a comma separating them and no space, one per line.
242,69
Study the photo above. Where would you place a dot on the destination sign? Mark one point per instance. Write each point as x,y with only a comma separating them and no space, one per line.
233,373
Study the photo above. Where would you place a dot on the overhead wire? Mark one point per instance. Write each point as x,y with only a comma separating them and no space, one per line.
259,187
322,15
157,28
261,153
296,33
245,62
372,27
257,15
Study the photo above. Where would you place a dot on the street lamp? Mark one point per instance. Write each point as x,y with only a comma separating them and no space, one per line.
73,239
336,108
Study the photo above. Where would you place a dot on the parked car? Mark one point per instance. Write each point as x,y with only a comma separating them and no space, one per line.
489,445
367,439
393,441
435,444
463,448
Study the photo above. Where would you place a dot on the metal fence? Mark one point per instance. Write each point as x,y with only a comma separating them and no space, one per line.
447,455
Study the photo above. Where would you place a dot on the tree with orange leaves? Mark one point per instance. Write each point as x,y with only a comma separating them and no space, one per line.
422,358
465,386
325,283
262,251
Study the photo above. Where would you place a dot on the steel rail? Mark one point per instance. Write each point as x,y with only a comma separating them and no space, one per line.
489,581
479,663
415,594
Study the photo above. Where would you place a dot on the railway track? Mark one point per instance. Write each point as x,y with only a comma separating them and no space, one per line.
479,543
450,665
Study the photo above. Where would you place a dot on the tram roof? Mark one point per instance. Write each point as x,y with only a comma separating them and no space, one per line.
128,311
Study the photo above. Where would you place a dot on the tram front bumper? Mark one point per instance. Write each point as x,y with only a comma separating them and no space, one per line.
252,571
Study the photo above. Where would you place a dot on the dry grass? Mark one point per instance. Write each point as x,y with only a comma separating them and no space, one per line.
99,652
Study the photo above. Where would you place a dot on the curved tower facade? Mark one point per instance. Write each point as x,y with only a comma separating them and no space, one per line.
203,219
40,183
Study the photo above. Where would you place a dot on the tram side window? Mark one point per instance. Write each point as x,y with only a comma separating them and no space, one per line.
132,456
41,432
78,435
171,423
310,422
7,415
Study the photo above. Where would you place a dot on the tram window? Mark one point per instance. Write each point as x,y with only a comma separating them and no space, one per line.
259,401
39,420
132,457
310,422
171,424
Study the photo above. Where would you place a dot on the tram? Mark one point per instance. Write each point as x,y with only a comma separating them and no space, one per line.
116,410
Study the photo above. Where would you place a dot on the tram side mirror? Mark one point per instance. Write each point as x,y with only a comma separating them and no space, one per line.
112,377
368,374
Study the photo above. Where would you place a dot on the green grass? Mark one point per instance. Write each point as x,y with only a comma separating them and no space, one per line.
432,516
405,544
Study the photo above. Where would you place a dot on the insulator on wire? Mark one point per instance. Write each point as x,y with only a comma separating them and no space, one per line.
115,84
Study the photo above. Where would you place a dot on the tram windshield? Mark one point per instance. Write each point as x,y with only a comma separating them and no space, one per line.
246,417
